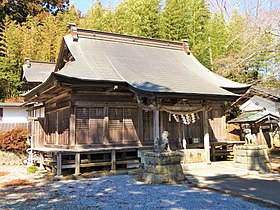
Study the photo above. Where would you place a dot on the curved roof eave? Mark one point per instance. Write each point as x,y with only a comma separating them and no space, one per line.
40,87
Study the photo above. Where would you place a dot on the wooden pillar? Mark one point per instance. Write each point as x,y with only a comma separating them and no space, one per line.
41,159
140,124
156,125
213,151
77,163
113,160
58,164
105,138
56,130
72,125
206,136
161,120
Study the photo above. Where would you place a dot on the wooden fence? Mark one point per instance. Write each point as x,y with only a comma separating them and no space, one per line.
10,126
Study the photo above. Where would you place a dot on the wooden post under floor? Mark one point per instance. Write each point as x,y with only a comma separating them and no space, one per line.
77,163
206,136
41,159
58,164
113,160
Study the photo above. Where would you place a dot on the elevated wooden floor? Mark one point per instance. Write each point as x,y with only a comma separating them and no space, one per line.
114,157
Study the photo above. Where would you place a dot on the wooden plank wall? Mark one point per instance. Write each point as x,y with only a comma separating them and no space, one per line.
217,123
63,126
10,126
38,132
111,125
148,127
55,129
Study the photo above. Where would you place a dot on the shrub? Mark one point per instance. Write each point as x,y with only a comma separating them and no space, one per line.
32,169
14,140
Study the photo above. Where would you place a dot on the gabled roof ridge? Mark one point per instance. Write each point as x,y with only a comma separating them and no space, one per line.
37,61
110,36
267,91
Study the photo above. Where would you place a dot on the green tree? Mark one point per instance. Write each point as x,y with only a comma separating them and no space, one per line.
20,10
98,18
10,60
138,17
187,19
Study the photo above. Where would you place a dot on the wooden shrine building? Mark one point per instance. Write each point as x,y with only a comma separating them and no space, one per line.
111,95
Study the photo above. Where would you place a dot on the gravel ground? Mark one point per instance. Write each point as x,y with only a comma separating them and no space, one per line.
111,192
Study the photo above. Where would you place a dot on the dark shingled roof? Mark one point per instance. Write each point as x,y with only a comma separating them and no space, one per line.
145,64
37,71
274,92
253,116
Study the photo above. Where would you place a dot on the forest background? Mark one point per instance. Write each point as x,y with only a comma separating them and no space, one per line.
238,39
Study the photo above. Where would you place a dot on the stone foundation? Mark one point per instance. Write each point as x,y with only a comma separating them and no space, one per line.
252,157
9,158
163,168
193,158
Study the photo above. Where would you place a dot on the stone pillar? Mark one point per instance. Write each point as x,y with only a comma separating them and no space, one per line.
206,138
163,168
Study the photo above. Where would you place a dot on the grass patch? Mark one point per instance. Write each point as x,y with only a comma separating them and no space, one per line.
3,173
32,169
16,182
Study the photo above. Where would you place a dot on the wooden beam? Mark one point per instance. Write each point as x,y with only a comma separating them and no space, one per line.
206,136
102,104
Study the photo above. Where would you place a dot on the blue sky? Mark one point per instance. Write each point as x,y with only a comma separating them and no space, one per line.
84,5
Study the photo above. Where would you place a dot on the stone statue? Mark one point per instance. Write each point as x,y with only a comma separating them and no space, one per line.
162,144
249,137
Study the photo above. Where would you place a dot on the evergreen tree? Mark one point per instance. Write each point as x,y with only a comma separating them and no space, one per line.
20,10
10,51
138,17
95,18
187,19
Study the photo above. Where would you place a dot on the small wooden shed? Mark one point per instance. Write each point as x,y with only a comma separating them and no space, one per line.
259,127
112,95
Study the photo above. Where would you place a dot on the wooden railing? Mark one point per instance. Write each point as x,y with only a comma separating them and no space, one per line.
223,150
